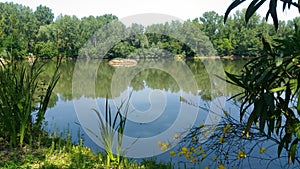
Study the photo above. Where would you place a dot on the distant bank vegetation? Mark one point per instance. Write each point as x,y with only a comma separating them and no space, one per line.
24,31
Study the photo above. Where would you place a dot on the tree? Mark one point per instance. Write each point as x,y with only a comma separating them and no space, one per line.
44,15
68,39
46,50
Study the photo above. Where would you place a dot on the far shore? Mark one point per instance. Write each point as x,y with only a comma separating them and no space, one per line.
132,61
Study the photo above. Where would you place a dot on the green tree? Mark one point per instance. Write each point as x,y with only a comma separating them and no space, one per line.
46,50
44,15
68,39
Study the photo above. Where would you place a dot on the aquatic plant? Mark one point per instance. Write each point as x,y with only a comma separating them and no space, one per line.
109,129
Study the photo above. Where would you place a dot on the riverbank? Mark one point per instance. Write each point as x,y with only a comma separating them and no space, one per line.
49,153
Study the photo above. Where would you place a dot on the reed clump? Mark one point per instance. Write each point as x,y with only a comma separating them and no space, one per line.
21,93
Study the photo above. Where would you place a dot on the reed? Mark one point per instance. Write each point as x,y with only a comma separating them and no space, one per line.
109,128
19,83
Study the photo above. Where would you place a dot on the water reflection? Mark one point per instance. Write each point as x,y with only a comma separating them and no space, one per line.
151,78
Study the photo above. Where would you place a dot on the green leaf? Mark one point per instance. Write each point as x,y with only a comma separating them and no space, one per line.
266,45
271,126
273,12
253,8
294,85
231,7
284,140
234,78
20,106
277,89
297,130
278,61
280,147
298,104
293,149
252,118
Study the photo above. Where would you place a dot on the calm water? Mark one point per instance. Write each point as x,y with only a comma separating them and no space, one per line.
155,110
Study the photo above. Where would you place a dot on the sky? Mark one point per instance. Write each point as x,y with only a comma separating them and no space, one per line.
183,9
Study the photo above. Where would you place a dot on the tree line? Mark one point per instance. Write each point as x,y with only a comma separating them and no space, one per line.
24,32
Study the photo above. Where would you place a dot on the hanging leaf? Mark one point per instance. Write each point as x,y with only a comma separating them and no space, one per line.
294,85
278,61
231,7
273,12
252,8
281,144
297,130
235,80
298,103
266,44
277,89
292,151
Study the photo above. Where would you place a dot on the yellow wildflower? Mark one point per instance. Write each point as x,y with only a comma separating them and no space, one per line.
201,125
184,149
221,166
187,156
225,112
241,154
180,153
159,143
206,167
193,160
224,131
193,149
262,150
221,140
164,147
246,133
168,144
203,155
172,153
181,99
215,158
176,136
199,147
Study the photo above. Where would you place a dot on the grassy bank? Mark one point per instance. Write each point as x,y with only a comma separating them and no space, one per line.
52,153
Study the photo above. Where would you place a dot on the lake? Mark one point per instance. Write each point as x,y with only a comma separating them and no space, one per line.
164,97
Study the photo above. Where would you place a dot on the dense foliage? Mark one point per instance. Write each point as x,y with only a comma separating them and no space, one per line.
271,84
24,32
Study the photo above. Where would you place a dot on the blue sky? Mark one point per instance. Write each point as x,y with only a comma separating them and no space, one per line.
188,9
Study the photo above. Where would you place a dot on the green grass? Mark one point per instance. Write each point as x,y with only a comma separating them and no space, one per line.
54,153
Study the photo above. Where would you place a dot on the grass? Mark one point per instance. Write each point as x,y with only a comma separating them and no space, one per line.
56,153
